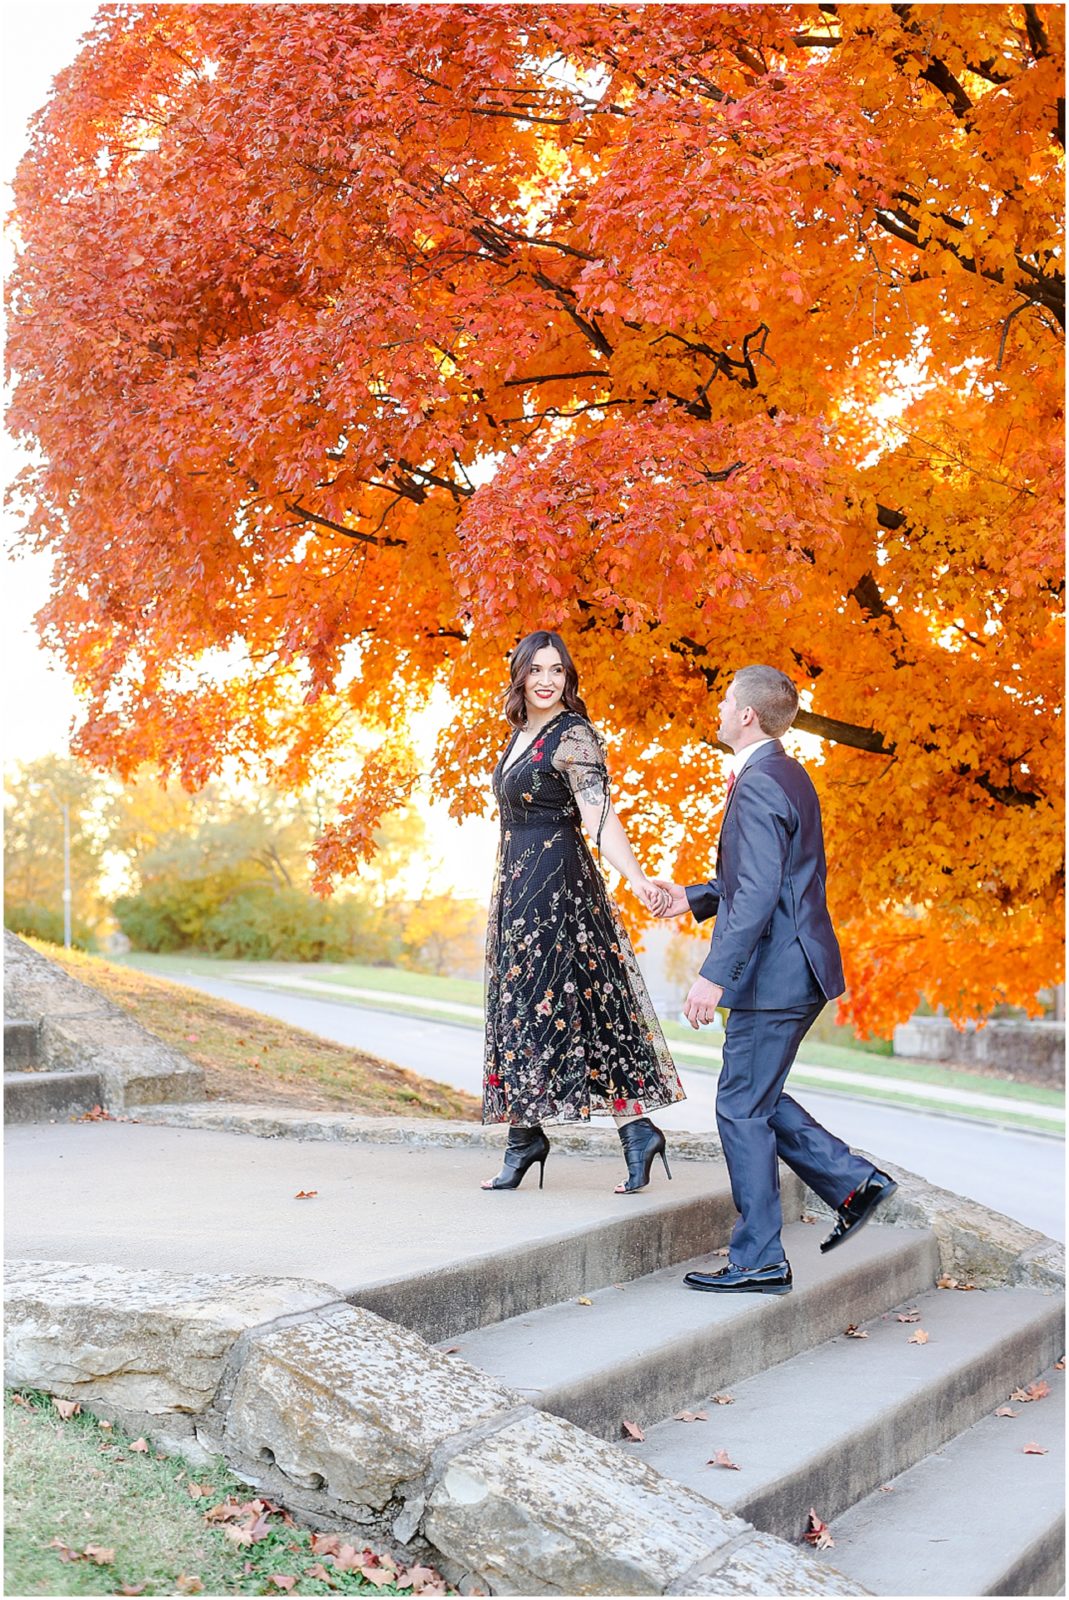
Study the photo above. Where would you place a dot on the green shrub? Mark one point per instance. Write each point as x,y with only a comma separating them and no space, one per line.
42,922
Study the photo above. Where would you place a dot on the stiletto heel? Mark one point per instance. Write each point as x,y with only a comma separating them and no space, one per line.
523,1148
642,1142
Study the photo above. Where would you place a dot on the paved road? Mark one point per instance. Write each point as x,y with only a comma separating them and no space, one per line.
1019,1174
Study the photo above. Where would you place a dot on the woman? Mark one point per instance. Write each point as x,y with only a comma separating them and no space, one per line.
569,1025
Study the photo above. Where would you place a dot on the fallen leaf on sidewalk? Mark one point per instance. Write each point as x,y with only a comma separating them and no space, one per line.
306,1194
691,1416
913,1315
1035,1391
633,1431
947,1282
1034,1449
920,1337
1059,1366
97,1114
723,1399
66,1408
583,1300
887,1488
451,1350
817,1533
1006,1411
852,1331
722,1252
808,1216
722,1459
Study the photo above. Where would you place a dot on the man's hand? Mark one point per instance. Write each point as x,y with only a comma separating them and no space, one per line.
676,901
702,1001
652,895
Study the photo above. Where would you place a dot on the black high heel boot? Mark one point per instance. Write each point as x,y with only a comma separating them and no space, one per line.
523,1148
641,1142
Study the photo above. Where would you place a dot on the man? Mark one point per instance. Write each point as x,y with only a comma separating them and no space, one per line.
774,962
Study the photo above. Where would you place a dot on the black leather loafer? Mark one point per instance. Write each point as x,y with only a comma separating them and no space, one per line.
733,1279
858,1207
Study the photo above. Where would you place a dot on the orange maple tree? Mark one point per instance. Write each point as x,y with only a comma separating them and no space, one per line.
357,341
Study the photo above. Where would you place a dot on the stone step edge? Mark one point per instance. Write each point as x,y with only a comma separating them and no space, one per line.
955,1462
976,1244
959,1396
416,1448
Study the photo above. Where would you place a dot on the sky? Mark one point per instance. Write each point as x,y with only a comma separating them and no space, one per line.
40,38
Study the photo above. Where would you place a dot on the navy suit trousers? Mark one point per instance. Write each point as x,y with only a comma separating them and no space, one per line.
760,1125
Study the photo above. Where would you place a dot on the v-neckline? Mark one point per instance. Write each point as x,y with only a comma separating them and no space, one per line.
507,765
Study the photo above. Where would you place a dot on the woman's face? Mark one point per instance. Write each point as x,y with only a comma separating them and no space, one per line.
544,685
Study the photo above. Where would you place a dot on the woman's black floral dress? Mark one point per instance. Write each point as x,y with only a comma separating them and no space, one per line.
569,1025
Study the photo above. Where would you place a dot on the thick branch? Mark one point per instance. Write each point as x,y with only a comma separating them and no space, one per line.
337,527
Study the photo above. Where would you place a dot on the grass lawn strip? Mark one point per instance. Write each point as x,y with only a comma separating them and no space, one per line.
88,1510
247,1056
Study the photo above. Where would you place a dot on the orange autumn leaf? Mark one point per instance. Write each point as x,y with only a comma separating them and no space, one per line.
764,364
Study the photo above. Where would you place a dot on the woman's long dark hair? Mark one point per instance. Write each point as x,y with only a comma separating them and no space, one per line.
520,665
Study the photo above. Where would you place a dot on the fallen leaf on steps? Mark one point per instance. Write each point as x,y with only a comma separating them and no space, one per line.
920,1337
691,1416
852,1331
306,1194
722,1459
817,1533
1006,1411
584,1301
723,1399
632,1431
913,1315
1034,1449
1035,1391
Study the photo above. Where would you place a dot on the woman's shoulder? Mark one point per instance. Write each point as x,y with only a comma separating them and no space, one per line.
575,729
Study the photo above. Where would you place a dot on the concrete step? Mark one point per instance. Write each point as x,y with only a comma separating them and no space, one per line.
833,1423
642,1350
21,1046
976,1517
667,1222
50,1096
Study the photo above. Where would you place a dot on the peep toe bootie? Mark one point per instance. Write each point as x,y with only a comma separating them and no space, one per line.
642,1142
523,1148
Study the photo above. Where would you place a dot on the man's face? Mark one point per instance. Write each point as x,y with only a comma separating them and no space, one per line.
731,725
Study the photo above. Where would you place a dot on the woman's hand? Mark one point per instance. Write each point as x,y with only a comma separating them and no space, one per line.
653,896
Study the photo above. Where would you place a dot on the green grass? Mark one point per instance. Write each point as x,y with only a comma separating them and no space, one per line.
350,975
80,1483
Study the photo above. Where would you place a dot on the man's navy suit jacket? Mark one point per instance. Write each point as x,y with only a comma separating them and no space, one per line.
773,944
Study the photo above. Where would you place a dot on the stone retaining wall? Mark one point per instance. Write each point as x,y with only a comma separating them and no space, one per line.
356,1423
82,1031
1032,1052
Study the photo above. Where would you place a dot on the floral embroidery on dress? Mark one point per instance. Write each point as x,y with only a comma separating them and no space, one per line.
570,1028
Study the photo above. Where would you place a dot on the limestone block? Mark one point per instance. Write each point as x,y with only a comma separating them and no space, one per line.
765,1565
353,1405
541,1507
140,1339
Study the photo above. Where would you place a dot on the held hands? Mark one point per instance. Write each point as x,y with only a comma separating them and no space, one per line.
702,1001
652,894
675,900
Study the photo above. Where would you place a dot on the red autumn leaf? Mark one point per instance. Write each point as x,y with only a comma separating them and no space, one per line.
306,1194
1006,1411
325,1544
722,1459
632,1430
852,1331
920,1337
1033,1449
817,1532
347,1559
66,1408
1035,1391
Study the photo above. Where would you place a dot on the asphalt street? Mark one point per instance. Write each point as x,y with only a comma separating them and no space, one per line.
1019,1174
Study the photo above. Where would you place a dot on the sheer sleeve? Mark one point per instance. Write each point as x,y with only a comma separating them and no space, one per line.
580,759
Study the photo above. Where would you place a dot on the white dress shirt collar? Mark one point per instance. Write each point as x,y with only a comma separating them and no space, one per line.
739,758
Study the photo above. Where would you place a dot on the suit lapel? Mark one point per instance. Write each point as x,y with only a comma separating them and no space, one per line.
772,748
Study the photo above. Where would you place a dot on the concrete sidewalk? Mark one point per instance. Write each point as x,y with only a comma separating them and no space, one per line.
182,1199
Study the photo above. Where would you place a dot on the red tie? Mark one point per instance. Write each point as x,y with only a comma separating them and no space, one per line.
731,785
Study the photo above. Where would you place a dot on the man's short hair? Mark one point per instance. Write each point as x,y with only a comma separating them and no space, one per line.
771,694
